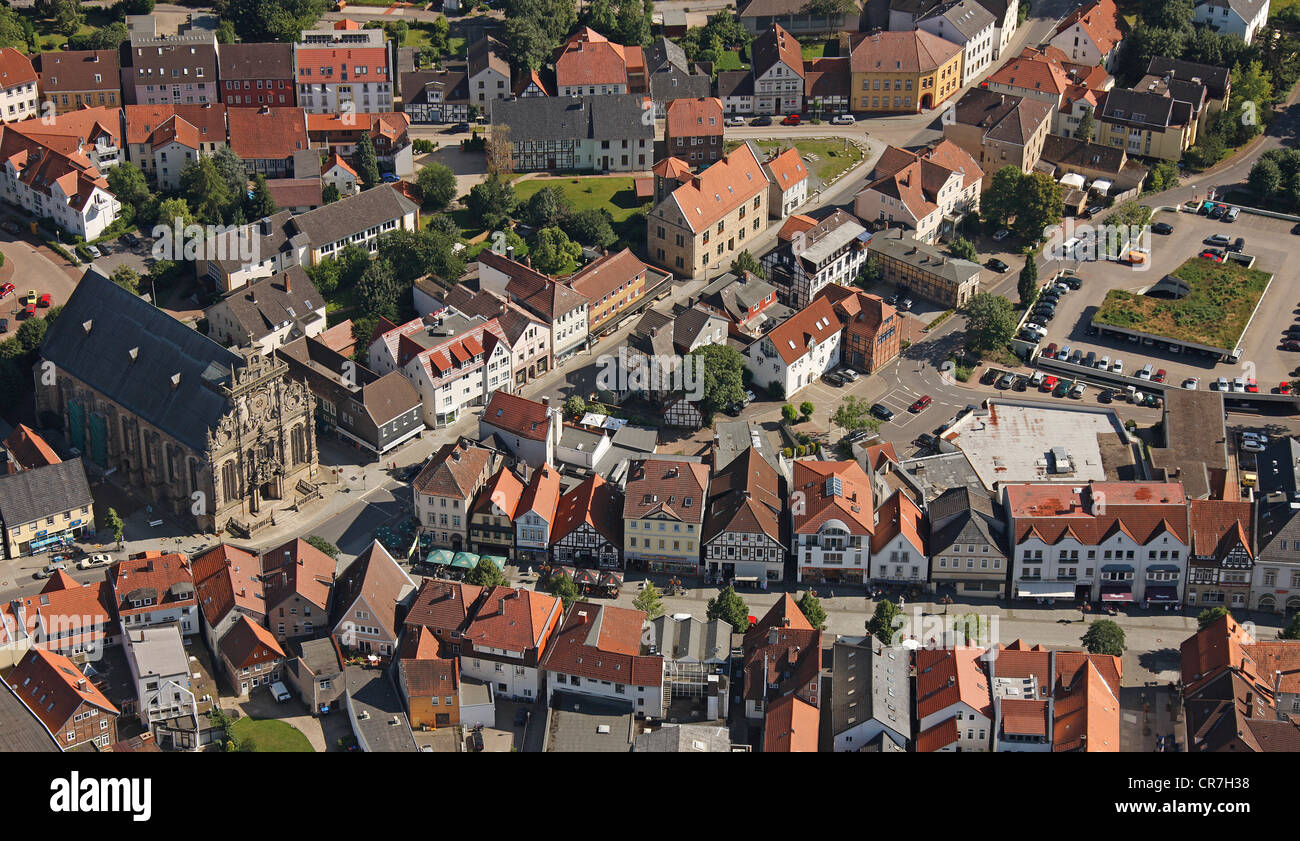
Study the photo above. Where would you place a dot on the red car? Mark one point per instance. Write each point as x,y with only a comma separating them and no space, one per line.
791,120
1252,386
1210,254
1284,388
29,311
921,404
1160,376
44,301
1048,384
6,289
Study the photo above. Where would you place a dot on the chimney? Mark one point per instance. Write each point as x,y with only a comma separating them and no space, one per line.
785,621
252,293
528,261
582,617
287,287
510,252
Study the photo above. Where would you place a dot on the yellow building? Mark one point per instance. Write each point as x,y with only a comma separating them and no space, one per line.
44,509
612,283
663,515
903,71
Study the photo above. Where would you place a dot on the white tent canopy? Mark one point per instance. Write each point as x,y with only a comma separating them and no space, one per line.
1074,180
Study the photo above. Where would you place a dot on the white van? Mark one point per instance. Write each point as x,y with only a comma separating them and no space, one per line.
280,692
1036,379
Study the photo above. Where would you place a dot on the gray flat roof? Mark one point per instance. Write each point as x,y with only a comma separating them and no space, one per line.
372,693
576,720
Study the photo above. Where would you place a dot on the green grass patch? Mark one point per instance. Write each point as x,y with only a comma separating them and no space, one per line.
617,195
729,60
272,736
1215,313
834,156
820,49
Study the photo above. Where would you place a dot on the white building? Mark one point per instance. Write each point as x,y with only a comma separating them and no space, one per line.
344,71
789,179
832,521
555,303
160,673
927,193
798,351
970,26
1232,17
812,255
502,641
45,182
591,654
18,95
269,312
778,72
1112,542
898,547
535,515
948,720
1006,13
1091,34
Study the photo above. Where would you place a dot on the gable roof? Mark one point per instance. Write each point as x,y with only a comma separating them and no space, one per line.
899,515
542,493
502,490
721,188
256,61
43,491
54,689
774,46
602,642
594,502
267,133
677,489
226,577
1001,116
453,471
782,654
75,70
377,577
513,619
589,58
814,324
442,605
1053,512
913,51
297,568
945,676
832,490
790,726
743,499
518,415
148,362
1099,20
786,169
15,69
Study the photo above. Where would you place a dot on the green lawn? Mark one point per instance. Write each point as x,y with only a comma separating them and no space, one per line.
729,60
1223,297
272,736
617,195
833,156
821,49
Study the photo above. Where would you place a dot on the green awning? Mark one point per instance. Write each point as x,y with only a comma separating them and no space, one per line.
465,560
439,556
498,560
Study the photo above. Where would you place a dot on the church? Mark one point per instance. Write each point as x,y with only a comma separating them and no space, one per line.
213,437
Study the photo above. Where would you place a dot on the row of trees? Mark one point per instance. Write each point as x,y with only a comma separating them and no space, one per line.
1275,179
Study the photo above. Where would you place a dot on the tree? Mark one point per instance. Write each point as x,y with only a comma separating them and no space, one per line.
1163,176
367,163
812,609
260,205
964,249
330,194
1041,201
1209,616
592,227
437,185
1027,285
853,414
206,191
1104,637
1265,177
378,289
563,588
999,202
323,545
499,150
127,183
546,208
226,32
789,413
114,524
575,406
649,601
746,262
492,202
441,223
990,321
1170,14
1087,125
806,409
487,574
30,335
1292,630
730,608
413,254
528,45
721,368
882,625
127,278
232,169
535,28
554,253
259,21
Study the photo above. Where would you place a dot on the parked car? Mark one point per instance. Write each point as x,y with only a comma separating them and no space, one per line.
6,289
1284,388
927,441
1221,384
1255,436
843,120
1252,387
997,265
1077,390
1238,385
44,300
1103,364
790,120
1093,211
1159,376
1020,384
882,411
833,378
761,121
1062,388
1006,380
1091,359
1073,281
49,569
29,311
1105,395
990,376
94,251
905,305
734,121
1163,228
1231,215
1049,383
1291,344
1219,240
923,402
1145,372
1192,383
1118,366
30,297
96,560
458,128
11,226
1217,211
1001,235
1212,254
390,178
1237,245
1252,447
130,239
846,372
1064,353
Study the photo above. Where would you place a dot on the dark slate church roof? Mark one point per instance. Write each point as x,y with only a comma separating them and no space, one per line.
155,367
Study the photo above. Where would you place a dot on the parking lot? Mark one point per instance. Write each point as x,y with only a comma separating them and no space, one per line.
1268,240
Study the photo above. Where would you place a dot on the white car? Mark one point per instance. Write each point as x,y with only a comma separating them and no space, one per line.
94,251
734,121
1255,436
91,561
1145,373
844,120
1249,446
1191,383
49,569
1118,366
1238,385
1221,384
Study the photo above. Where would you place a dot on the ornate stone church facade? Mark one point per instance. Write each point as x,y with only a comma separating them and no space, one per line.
197,431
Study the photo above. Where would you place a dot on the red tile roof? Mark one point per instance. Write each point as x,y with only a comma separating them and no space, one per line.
589,58
165,578
820,504
1053,512
267,133
720,189
938,737
602,642
1100,20
945,676
776,45
341,65
226,577
677,489
29,449
247,644
607,274
542,494
1087,714
68,611
502,491
786,169
518,415
376,576
442,605
516,620
782,649
15,69
791,726
694,117
297,567
430,677
1221,646
594,502
914,51
900,515
1218,525
54,689
815,323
